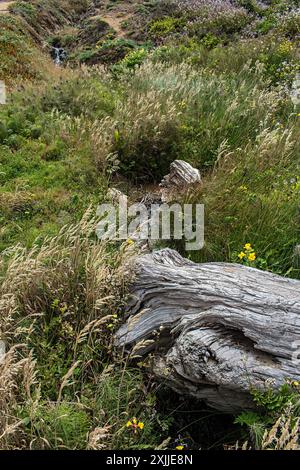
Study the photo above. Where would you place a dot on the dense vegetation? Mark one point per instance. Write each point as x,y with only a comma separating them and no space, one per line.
210,82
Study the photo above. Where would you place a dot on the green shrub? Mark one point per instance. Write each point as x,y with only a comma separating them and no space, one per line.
269,422
109,51
266,25
281,64
54,151
210,40
134,58
166,26
14,141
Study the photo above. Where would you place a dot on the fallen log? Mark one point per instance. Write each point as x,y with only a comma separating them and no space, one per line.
216,330
182,177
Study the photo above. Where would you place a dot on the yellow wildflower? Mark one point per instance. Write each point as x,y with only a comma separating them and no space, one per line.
135,425
179,447
242,255
252,257
295,383
248,247
130,242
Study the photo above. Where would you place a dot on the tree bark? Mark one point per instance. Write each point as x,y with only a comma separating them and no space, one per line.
216,329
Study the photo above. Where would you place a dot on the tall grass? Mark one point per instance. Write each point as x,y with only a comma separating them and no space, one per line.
252,197
62,385
164,112
55,303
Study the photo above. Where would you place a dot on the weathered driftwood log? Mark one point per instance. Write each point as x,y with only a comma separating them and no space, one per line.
218,329
182,175
116,196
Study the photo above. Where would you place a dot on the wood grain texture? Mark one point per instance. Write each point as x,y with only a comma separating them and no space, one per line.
181,177
218,329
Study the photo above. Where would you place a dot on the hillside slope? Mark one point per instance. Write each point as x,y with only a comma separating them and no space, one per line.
141,84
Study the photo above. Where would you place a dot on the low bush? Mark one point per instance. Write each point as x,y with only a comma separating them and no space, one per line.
166,26
275,424
109,51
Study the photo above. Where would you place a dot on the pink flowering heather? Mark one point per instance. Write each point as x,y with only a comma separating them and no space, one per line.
195,6
215,16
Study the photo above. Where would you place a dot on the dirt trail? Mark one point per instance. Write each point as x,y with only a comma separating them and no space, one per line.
4,6
116,16
116,23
